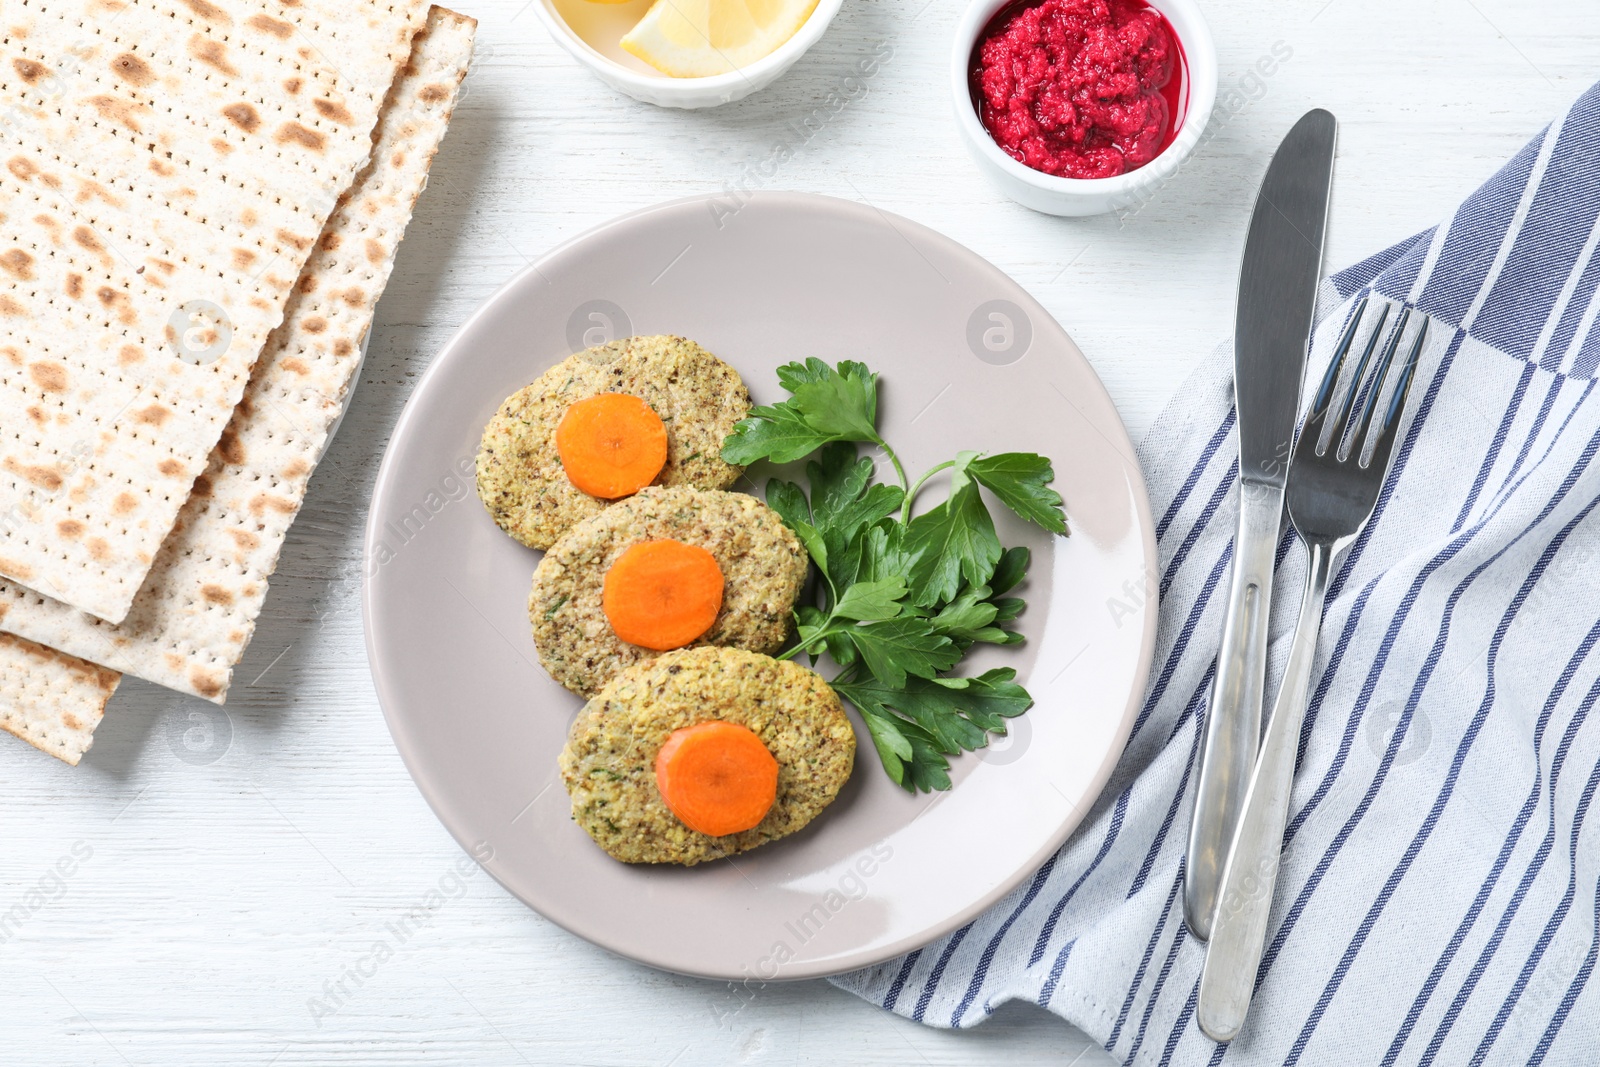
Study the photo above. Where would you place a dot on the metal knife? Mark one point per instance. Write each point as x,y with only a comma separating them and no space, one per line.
1277,297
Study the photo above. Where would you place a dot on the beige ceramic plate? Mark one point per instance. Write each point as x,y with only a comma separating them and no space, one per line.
968,360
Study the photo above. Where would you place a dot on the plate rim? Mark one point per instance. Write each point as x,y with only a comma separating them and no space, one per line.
798,970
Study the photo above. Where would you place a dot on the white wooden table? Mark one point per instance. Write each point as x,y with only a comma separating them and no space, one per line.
242,864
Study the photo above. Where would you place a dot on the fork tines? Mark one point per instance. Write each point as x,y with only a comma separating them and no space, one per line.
1358,391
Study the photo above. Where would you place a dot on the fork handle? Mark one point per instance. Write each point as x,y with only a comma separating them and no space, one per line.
1233,717
1239,926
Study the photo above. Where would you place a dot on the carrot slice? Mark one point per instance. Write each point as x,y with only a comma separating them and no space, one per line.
662,594
717,777
611,445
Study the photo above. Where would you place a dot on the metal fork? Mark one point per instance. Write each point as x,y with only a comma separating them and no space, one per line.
1332,491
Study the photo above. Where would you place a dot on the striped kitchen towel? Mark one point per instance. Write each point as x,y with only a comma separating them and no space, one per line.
1439,900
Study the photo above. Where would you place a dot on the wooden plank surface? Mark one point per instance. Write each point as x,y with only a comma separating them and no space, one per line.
196,890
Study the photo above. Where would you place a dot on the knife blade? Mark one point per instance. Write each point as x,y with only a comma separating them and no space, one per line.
1278,280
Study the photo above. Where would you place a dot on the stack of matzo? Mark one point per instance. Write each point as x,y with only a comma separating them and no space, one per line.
168,165
195,609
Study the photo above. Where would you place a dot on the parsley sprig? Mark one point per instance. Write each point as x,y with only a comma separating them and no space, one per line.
901,597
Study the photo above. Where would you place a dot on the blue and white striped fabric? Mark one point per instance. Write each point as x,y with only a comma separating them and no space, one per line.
1438,901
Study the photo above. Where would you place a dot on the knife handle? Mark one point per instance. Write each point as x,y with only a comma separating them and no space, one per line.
1233,717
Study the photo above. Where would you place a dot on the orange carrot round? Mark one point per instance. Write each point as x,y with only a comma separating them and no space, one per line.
717,777
611,445
662,594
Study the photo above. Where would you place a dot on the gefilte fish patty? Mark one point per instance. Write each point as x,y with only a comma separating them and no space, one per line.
763,569
608,764
698,397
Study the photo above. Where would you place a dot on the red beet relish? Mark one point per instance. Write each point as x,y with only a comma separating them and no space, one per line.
1079,88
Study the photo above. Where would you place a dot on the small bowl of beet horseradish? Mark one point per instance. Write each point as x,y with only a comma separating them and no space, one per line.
1077,107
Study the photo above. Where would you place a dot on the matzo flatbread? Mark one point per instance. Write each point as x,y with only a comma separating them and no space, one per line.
51,700
192,620
165,168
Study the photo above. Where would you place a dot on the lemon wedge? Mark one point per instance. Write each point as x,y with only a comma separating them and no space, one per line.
699,38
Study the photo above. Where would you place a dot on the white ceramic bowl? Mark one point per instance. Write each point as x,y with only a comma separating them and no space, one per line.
1087,196
590,31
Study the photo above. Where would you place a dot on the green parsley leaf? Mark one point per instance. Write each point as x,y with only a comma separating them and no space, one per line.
989,699
877,503
1009,572
966,614
827,405
949,715
957,712
793,375
789,501
810,617
924,703
811,624
842,402
952,541
897,647
909,754
927,770
1022,482
837,479
871,601
844,556
811,537
883,552
893,747
970,618
839,647
1008,608
930,771
778,432
842,491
